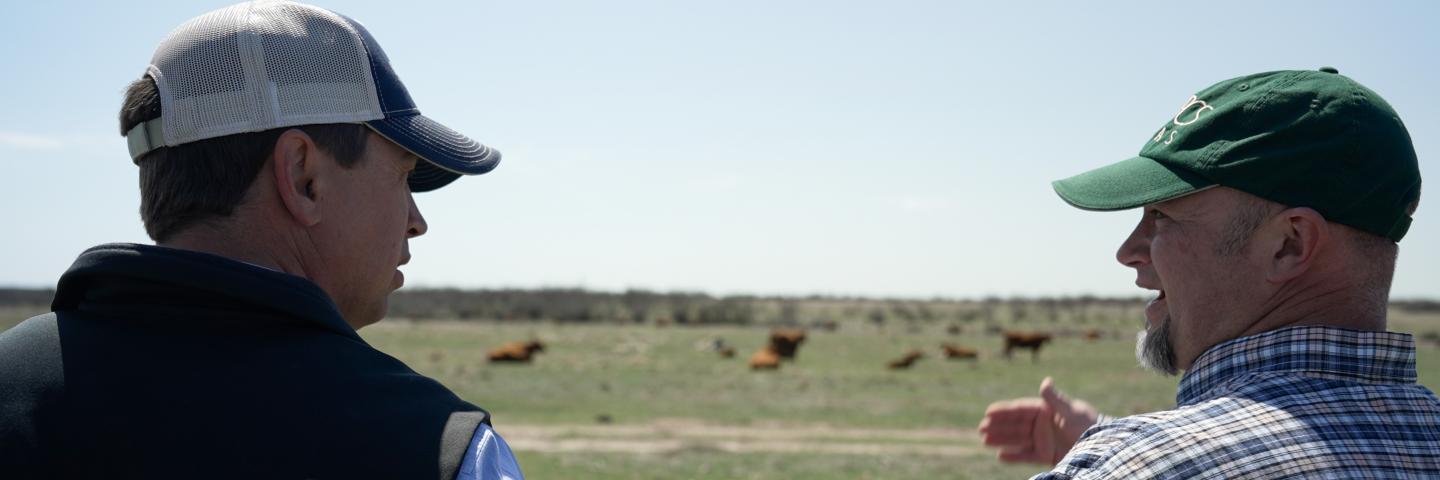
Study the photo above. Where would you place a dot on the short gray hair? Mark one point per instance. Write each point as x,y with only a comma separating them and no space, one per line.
1246,218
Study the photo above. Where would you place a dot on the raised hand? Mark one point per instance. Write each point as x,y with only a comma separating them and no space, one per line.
1036,430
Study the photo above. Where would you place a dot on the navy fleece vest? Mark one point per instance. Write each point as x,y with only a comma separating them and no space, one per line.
164,363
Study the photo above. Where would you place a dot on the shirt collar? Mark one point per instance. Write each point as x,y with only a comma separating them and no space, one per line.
1318,351
119,278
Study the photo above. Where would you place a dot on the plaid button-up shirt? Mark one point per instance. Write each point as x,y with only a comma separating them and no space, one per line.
1300,402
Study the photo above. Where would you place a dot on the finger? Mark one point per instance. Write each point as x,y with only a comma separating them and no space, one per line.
1017,432
1008,439
1015,421
1016,413
1010,422
1015,408
1054,398
1009,435
988,424
1008,430
1043,433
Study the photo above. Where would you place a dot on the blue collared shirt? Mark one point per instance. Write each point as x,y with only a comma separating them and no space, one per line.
488,458
1300,402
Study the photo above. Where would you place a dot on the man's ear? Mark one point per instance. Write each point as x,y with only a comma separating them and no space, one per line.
1299,234
297,176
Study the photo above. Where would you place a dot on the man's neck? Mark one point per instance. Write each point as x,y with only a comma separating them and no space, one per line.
236,243
1337,305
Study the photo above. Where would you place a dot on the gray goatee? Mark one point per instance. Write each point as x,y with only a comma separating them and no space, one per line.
1154,349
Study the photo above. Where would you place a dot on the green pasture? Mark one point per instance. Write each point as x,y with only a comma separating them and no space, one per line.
639,373
701,464
636,374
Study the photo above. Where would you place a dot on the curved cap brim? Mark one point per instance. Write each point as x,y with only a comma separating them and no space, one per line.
446,153
1128,184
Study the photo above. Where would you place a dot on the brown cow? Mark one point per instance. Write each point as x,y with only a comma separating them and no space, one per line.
955,352
516,351
1030,340
785,342
1092,334
905,361
765,359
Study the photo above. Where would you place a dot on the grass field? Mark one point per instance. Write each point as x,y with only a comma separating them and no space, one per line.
607,393
642,402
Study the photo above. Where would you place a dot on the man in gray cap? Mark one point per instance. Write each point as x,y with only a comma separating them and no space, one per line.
277,152
1272,205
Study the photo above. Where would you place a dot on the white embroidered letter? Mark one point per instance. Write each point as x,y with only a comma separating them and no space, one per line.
1193,101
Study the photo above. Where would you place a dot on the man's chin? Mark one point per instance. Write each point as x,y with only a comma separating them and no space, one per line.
1155,349
369,315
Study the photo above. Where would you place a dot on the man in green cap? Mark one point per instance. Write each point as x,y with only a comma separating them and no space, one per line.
1271,208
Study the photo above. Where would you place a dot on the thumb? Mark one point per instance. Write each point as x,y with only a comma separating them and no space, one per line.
1053,398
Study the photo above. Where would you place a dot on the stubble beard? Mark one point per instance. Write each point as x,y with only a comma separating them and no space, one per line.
1154,349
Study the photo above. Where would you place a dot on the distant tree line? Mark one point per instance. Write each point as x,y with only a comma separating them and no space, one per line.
688,308
22,297
1416,305
573,305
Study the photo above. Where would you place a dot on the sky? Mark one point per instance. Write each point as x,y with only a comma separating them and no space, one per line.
897,148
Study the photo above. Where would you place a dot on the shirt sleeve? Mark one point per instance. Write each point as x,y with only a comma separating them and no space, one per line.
1093,456
488,457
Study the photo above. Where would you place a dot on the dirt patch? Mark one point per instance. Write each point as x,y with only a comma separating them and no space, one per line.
678,435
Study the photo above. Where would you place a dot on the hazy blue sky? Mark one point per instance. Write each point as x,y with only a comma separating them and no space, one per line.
876,148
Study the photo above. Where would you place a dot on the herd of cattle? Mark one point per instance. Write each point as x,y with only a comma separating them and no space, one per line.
785,342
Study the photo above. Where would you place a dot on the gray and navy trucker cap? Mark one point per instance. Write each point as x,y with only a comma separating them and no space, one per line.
268,64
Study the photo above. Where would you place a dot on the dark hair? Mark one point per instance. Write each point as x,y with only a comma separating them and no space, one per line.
183,185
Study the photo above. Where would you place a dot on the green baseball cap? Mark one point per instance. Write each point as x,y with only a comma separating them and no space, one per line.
1304,138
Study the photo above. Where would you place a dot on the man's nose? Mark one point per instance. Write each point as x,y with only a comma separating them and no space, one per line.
417,225
1134,252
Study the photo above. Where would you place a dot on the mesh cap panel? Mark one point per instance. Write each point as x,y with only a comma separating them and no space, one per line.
271,64
262,65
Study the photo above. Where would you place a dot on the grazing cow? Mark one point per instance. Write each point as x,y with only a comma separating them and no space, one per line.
785,341
765,359
954,352
1030,340
516,351
905,361
1092,334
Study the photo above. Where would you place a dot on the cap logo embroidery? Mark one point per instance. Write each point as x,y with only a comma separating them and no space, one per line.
1188,108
